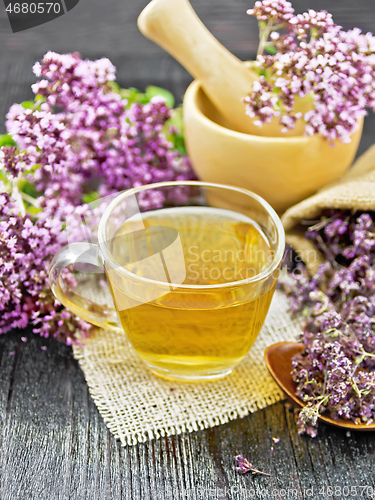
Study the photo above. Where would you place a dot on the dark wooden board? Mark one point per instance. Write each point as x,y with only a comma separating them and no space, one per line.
54,444
108,28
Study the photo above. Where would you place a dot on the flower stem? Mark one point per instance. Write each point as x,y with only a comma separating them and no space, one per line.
256,471
29,199
18,197
263,37
367,354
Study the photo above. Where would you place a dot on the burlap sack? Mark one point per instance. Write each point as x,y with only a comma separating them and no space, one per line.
354,191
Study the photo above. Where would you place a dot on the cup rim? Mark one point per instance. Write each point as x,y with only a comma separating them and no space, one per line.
107,255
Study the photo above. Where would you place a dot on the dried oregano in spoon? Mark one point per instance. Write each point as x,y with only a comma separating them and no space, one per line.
335,374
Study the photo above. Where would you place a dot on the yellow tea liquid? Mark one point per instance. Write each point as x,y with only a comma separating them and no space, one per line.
193,334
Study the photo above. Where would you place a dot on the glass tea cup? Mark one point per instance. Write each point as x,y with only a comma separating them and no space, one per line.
192,268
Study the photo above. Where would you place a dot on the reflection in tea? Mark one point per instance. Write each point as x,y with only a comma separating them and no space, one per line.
194,332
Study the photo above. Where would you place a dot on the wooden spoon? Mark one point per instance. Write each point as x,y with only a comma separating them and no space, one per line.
226,80
278,358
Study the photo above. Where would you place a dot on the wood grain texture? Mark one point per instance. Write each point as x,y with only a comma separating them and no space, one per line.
109,27
53,443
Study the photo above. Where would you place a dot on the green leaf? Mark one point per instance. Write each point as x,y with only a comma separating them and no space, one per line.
271,49
177,138
89,197
115,87
133,95
153,91
177,119
6,140
359,360
28,188
28,104
34,210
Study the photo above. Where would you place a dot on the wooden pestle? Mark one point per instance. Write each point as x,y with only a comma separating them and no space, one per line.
174,25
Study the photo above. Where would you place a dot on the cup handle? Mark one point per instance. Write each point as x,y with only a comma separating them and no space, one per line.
96,314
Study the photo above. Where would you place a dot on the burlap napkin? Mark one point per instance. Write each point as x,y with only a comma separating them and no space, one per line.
138,406
354,191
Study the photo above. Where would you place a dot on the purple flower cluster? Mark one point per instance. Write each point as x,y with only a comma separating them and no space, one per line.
317,61
94,135
140,153
272,11
25,294
335,374
79,140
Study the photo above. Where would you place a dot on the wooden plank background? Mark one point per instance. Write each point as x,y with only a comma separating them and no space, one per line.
53,443
108,28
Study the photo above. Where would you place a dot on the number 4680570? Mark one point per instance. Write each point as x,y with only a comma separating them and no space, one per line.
33,8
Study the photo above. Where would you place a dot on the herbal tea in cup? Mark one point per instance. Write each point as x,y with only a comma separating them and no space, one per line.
191,283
